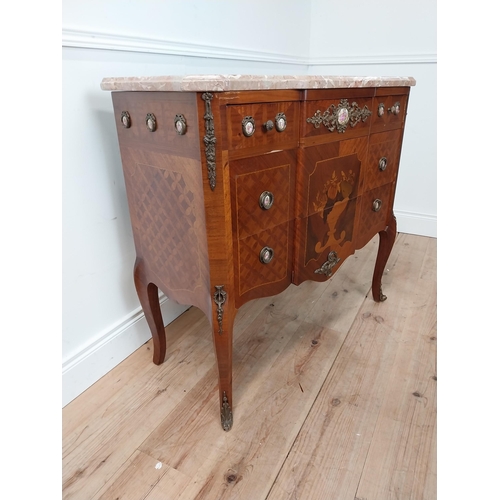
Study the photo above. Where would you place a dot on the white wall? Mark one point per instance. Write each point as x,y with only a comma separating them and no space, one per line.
102,319
363,29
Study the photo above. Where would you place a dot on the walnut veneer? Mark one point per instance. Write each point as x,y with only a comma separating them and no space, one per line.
226,207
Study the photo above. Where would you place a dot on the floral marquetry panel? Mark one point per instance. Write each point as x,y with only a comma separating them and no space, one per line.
330,183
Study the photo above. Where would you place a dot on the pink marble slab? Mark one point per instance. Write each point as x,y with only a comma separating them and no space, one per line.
221,83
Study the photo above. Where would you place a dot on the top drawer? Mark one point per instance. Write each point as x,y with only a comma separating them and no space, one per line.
337,119
389,109
263,125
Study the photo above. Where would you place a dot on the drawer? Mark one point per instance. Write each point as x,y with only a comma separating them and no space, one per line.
336,119
262,190
388,111
263,262
263,125
152,118
375,206
382,162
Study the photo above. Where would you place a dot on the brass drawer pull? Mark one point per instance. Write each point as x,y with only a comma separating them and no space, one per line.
151,122
125,119
395,109
266,200
377,205
280,121
382,163
331,261
266,255
180,124
248,126
338,117
269,125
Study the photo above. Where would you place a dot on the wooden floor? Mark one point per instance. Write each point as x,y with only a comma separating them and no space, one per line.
334,398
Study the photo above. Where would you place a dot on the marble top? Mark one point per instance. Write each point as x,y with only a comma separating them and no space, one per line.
222,83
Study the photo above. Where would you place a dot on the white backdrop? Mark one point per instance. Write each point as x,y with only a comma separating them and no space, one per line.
102,319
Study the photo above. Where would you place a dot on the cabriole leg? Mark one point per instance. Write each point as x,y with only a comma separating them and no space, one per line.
386,242
148,297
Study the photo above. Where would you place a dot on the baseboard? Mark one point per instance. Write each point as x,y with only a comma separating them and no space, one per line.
87,366
415,223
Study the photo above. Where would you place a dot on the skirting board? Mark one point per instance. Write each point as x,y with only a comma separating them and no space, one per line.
89,365
419,224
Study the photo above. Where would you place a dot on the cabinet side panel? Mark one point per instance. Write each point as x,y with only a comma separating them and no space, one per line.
165,194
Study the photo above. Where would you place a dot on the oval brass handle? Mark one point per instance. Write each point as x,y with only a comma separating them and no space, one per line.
381,109
125,119
395,109
269,125
151,122
377,205
180,124
280,121
382,163
248,126
266,255
266,200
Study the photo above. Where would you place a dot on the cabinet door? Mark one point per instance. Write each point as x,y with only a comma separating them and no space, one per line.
262,210
327,199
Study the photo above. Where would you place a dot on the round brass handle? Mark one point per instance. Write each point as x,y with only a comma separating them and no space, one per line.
269,125
151,122
395,109
381,109
180,124
248,126
266,255
125,119
377,205
280,121
266,200
382,163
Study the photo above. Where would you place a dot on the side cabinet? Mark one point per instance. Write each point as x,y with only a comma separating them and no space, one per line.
237,195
